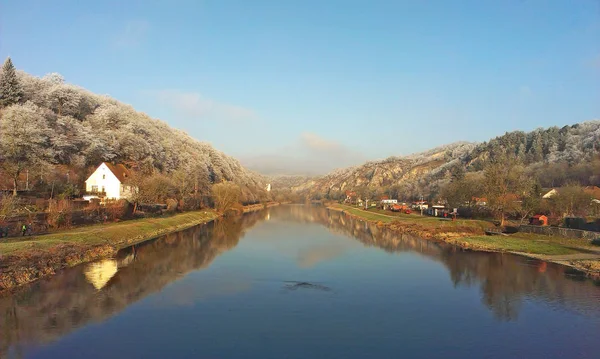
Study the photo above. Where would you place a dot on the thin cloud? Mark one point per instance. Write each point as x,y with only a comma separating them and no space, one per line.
310,154
133,33
195,105
317,143
315,255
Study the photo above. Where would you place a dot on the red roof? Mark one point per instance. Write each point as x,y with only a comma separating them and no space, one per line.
594,191
384,197
120,171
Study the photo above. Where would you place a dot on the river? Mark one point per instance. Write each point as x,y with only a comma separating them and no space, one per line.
303,282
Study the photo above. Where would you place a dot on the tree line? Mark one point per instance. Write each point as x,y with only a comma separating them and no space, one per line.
53,134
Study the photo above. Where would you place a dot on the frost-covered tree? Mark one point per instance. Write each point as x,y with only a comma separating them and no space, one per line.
11,91
64,99
24,140
54,78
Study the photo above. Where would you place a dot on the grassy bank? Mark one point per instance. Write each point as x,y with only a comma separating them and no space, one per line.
469,234
25,259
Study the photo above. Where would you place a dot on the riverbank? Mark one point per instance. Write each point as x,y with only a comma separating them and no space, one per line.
469,234
26,259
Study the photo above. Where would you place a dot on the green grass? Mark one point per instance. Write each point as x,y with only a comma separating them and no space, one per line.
117,234
516,244
425,221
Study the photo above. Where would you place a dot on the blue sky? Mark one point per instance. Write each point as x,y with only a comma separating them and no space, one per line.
310,85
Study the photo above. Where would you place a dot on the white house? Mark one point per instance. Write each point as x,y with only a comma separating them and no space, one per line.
108,181
268,188
553,192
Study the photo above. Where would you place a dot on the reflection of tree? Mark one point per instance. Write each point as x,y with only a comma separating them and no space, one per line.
50,308
505,280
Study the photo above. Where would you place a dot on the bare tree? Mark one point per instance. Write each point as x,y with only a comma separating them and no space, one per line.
226,195
504,185
572,200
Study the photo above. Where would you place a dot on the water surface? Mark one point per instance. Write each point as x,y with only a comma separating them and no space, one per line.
299,282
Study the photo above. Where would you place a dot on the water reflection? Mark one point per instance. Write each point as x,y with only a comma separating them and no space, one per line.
51,308
506,281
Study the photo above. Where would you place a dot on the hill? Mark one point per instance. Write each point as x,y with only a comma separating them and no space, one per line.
555,156
49,124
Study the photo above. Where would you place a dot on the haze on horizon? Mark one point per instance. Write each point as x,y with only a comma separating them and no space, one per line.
303,87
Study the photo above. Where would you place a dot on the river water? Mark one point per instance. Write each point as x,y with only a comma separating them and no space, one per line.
303,282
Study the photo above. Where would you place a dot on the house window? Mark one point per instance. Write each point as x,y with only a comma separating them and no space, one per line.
103,190
103,176
94,188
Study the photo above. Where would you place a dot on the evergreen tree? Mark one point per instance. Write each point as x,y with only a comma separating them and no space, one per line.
10,88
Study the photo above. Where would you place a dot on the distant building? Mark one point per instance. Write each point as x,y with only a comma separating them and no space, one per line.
108,181
539,220
268,187
420,205
387,203
553,192
479,201
350,196
593,191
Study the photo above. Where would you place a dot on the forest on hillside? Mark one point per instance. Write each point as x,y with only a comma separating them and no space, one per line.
524,165
53,134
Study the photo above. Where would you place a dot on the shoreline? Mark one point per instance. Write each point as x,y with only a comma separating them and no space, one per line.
26,259
460,238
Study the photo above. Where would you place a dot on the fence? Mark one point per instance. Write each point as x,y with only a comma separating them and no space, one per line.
560,231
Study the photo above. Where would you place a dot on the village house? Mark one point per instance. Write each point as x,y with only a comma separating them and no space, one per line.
593,191
386,202
479,201
553,192
421,205
350,196
108,181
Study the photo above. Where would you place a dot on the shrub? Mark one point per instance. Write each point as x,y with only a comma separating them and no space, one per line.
60,213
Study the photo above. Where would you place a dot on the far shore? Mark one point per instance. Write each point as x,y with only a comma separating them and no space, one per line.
470,235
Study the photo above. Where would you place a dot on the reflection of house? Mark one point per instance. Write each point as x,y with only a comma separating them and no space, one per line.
99,273
108,181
